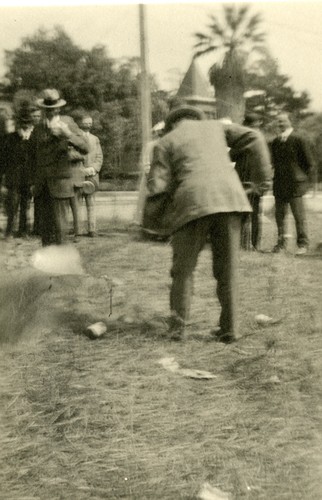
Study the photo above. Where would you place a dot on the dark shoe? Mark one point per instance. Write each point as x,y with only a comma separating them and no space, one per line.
224,337
278,249
91,234
176,328
21,234
177,335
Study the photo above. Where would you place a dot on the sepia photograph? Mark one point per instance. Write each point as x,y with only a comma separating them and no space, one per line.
160,250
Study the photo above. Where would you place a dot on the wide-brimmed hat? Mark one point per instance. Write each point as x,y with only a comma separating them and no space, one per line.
51,99
181,112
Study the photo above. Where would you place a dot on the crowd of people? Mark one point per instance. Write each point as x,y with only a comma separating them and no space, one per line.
204,183
55,160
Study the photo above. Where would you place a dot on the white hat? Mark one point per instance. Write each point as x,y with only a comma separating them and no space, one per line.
51,99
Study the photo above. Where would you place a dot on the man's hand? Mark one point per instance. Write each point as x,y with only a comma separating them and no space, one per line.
60,129
89,171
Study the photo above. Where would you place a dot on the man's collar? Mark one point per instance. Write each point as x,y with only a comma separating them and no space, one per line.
285,135
25,133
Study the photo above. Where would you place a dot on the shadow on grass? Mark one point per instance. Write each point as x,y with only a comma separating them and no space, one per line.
310,256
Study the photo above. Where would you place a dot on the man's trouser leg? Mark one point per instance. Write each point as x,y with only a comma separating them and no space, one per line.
23,213
36,224
91,215
256,222
60,209
245,236
299,214
73,203
186,245
46,217
280,217
77,211
11,205
225,238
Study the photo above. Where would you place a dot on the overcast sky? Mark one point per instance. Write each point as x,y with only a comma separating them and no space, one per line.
293,29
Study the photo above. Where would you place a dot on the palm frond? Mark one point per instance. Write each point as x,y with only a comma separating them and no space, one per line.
201,36
241,14
229,13
212,48
215,27
203,44
254,37
254,21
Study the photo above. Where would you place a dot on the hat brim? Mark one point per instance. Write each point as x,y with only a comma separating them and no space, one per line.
59,104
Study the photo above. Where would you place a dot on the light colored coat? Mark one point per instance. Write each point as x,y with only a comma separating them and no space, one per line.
93,161
192,167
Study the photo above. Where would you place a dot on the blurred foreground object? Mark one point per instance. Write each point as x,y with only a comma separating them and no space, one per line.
20,296
54,259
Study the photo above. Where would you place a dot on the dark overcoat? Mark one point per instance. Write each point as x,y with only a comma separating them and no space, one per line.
293,165
16,153
49,160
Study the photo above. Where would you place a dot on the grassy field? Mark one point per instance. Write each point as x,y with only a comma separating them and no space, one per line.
103,419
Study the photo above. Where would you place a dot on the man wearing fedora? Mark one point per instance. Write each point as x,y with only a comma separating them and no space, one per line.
52,172
93,162
203,198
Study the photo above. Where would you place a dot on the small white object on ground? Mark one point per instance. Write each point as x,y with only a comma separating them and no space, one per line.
274,380
96,329
262,319
173,366
209,492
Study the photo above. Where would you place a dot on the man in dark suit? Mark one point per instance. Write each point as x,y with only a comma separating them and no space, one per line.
51,143
16,170
293,165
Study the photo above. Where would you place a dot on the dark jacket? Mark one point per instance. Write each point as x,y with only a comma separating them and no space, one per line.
293,165
50,163
16,153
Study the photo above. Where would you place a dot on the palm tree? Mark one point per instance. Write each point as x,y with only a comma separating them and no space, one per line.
236,40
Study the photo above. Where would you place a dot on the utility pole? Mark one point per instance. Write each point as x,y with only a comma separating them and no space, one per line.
146,119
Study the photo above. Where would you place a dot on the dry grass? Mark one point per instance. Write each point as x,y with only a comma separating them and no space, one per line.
102,419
